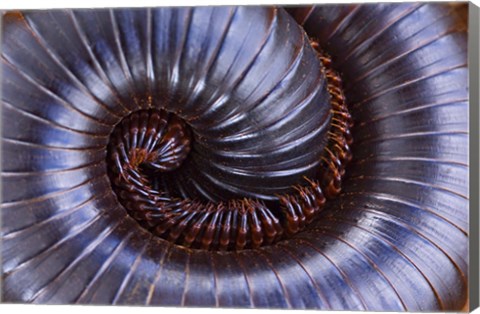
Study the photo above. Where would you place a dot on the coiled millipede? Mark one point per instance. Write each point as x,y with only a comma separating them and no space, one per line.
308,157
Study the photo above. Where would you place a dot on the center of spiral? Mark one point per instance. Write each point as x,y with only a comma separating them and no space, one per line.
144,145
150,140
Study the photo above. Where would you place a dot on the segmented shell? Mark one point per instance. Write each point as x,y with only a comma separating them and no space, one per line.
395,239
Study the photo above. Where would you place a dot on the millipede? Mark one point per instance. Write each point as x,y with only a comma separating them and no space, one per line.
306,157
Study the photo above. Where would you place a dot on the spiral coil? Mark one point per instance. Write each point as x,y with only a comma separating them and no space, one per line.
256,116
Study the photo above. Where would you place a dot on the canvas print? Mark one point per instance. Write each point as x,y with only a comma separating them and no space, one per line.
303,157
